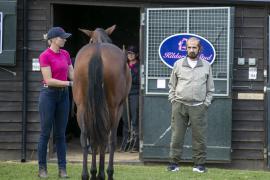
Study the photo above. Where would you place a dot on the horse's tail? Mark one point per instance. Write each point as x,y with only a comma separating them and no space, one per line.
97,104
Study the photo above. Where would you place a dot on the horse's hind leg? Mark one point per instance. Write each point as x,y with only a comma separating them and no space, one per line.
112,144
83,139
116,113
85,174
101,174
93,169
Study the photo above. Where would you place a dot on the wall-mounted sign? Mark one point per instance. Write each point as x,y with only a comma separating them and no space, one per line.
1,32
35,64
161,83
174,47
252,73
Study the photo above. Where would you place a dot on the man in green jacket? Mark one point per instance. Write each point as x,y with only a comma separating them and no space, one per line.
191,91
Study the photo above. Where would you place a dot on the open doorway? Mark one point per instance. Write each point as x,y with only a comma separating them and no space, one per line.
72,17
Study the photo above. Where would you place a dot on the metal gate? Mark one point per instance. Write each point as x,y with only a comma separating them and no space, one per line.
214,24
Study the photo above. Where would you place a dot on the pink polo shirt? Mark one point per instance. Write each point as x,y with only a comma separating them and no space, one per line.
58,62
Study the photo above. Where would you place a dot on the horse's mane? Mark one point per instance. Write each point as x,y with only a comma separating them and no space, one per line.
102,36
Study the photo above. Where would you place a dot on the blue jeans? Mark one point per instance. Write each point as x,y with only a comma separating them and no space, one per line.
53,110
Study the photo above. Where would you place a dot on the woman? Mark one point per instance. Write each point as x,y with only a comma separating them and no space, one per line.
133,99
56,69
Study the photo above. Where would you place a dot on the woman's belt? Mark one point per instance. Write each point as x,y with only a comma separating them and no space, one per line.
55,88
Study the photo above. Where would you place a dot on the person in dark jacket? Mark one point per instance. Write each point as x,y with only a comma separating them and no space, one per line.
131,132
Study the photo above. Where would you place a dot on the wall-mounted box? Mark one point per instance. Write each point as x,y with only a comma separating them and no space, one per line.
252,61
241,61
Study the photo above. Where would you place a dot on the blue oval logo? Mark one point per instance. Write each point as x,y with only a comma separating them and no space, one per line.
174,47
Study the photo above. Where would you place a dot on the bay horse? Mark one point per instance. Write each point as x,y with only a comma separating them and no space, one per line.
102,81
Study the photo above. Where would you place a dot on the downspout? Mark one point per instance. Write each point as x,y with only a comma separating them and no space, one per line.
25,82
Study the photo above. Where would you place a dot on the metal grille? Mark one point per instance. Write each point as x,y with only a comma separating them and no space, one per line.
210,23
161,24
213,25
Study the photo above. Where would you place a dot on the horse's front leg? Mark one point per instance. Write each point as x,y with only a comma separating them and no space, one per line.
83,138
112,144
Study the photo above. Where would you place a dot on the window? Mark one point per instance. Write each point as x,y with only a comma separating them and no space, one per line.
212,23
8,33
1,30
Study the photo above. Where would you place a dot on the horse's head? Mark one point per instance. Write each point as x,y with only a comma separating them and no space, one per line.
99,35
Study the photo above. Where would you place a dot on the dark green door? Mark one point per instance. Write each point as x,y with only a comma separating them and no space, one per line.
214,24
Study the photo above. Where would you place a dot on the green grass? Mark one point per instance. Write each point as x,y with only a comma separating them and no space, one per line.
28,171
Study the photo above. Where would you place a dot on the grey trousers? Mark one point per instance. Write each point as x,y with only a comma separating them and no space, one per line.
197,116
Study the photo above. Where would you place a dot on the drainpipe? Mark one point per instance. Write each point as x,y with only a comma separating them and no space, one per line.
25,80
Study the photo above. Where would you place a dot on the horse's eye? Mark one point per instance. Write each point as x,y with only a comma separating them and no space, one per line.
91,41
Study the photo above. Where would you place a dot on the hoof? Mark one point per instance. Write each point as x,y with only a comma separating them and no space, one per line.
93,178
110,174
85,177
101,177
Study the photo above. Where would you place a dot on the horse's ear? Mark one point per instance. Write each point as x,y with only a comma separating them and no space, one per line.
110,30
87,32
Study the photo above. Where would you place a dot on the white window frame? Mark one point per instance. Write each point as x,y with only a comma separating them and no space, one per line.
147,77
1,32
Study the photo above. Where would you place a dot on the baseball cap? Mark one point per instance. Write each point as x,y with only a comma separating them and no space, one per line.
57,32
132,49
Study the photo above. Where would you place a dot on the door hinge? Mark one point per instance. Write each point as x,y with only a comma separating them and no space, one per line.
142,19
142,77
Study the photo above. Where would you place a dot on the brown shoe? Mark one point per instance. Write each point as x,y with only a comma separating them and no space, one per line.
63,173
42,173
